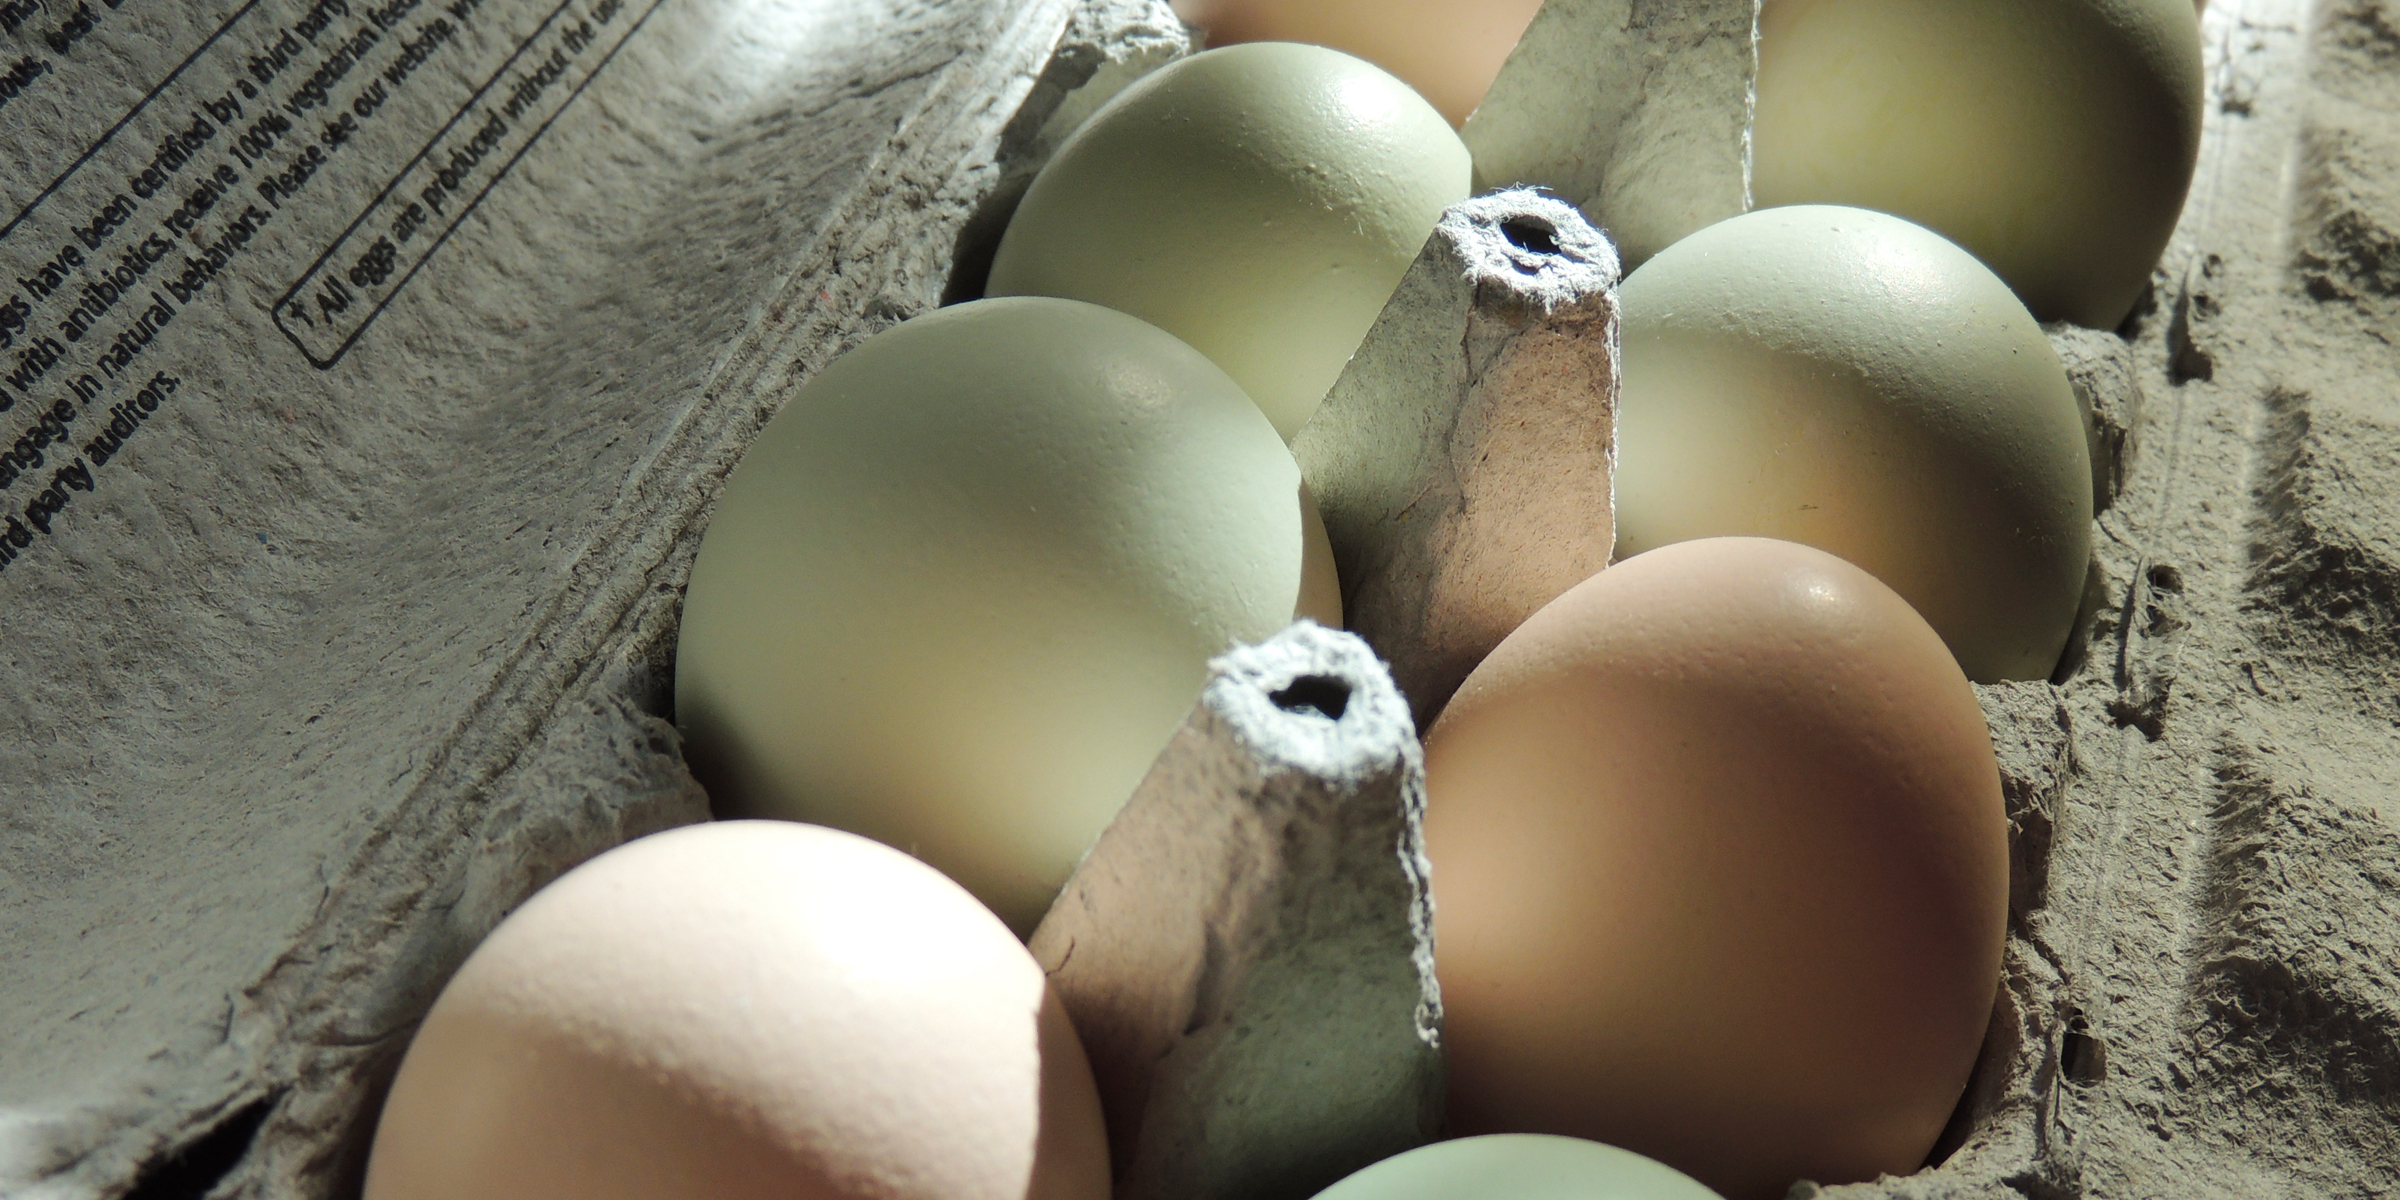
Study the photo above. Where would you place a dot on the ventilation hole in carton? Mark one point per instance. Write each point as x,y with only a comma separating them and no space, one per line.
1323,695
1530,234
2082,1057
195,1170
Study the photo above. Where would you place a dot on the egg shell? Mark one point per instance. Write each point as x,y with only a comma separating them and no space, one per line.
1258,201
1519,1166
746,1009
963,588
1852,381
1448,50
2055,139
1720,871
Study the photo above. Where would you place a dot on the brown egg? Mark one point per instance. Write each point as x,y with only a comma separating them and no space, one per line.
1720,871
1448,50
739,1011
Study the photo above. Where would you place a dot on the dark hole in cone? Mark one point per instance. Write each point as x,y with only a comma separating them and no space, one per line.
1531,234
1324,695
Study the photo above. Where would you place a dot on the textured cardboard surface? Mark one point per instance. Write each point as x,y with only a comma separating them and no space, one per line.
1463,460
1247,952
333,666
1637,110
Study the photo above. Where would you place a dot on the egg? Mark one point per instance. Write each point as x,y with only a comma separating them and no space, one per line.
1849,380
1720,871
1520,1166
1258,201
739,1010
2055,139
1449,50
963,588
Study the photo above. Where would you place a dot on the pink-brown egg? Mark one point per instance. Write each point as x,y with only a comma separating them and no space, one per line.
1720,871
1449,50
739,1011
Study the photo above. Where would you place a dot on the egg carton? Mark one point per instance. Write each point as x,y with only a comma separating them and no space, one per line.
2201,995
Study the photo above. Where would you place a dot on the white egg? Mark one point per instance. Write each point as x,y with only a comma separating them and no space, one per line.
2054,139
1850,381
1259,201
964,587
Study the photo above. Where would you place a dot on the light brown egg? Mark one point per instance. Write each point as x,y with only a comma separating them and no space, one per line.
745,1010
1720,871
1449,50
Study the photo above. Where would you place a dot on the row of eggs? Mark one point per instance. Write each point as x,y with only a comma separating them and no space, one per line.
747,1010
1720,873
961,590
2051,138
988,553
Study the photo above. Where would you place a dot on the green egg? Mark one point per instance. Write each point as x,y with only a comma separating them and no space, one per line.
966,584
1259,202
2053,139
1518,1166
1851,381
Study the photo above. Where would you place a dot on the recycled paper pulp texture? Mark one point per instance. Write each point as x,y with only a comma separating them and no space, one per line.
437,344
1247,952
362,631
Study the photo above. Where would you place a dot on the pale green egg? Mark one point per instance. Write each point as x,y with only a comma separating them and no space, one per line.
2054,139
965,586
1850,381
1258,201
1518,1166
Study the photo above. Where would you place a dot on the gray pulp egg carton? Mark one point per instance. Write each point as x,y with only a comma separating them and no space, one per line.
299,714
